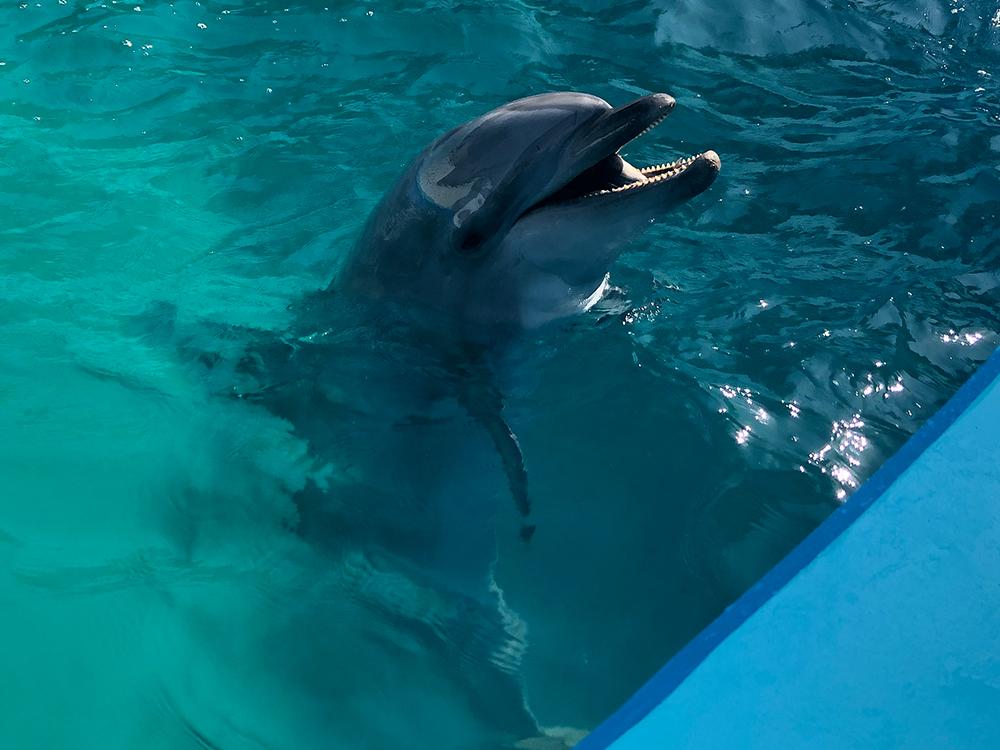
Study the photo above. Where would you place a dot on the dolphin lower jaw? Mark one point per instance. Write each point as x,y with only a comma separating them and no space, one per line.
704,167
566,246
586,229
689,177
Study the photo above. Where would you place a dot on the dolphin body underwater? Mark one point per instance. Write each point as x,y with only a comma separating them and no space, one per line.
513,220
388,377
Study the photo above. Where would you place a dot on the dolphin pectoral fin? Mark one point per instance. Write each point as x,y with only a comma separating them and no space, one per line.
513,463
484,403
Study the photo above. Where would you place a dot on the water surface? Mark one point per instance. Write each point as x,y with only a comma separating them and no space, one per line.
200,548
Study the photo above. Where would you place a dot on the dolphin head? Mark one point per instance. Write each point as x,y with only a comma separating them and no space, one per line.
516,217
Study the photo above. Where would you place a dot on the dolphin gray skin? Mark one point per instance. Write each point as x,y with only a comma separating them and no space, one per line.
515,218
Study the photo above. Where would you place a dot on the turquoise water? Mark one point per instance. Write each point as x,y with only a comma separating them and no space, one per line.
206,545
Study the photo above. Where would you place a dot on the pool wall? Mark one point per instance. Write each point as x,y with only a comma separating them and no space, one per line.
882,628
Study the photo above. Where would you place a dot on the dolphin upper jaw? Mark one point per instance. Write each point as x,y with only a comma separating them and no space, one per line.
596,168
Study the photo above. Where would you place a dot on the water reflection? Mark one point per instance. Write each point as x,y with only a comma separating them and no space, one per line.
842,456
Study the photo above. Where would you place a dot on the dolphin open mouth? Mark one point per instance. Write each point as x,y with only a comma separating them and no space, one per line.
602,174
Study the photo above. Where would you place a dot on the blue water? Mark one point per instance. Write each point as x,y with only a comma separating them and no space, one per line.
207,544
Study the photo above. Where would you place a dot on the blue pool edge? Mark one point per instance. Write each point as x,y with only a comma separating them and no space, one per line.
675,671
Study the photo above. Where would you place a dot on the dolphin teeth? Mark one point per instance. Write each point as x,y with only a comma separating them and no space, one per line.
674,165
655,174
651,126
650,175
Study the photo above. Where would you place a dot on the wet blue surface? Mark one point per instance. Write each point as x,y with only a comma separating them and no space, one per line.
888,611
209,541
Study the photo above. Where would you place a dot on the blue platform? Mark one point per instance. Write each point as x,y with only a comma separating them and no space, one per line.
882,629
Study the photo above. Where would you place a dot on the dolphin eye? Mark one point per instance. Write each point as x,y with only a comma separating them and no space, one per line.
471,242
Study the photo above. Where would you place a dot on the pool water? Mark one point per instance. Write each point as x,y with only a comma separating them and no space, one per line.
232,517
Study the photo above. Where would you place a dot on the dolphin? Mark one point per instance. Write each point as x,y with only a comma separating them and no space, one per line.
506,223
513,220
